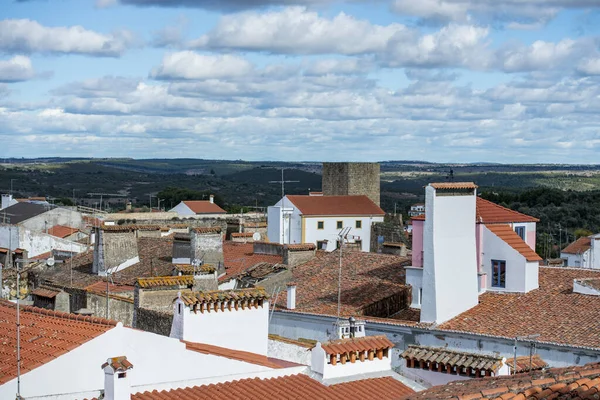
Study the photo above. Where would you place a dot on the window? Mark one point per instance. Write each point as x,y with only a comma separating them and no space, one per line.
340,224
321,245
421,296
498,273
122,375
320,224
358,243
179,308
520,231
358,224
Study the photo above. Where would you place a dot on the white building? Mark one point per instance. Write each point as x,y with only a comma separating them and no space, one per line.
464,246
319,220
416,210
583,253
198,207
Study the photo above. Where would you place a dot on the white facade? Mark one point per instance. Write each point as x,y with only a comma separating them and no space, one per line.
321,365
521,275
242,329
450,255
7,201
160,363
182,209
298,228
589,258
53,217
35,243
414,278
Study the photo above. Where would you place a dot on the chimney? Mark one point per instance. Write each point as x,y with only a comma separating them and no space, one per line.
211,199
291,296
128,206
116,378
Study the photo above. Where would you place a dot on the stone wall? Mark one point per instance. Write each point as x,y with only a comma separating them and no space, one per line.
396,249
118,309
155,233
390,305
154,321
293,258
268,248
352,179
207,247
392,231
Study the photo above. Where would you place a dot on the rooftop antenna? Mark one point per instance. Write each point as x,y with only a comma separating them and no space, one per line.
529,338
342,236
17,262
450,176
283,182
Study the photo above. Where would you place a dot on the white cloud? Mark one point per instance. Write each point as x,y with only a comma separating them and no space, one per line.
433,9
18,68
339,66
590,66
295,30
105,3
27,36
191,65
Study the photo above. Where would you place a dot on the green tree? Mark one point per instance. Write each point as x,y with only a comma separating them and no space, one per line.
581,232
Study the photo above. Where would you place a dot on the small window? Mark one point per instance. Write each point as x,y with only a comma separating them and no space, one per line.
358,243
498,273
321,245
320,224
358,224
340,224
122,375
421,296
179,308
520,230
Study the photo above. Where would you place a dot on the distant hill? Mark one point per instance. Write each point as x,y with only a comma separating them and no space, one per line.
262,176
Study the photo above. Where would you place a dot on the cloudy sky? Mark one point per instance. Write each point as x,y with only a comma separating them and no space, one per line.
438,80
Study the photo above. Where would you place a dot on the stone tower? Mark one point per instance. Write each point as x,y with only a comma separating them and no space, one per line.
346,178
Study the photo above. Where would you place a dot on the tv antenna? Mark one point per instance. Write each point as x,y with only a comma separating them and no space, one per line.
450,176
342,236
283,182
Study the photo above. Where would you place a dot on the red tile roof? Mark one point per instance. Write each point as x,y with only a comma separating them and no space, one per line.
220,296
45,335
238,257
204,207
366,278
508,235
242,234
554,311
118,363
208,229
453,358
361,344
100,286
492,213
292,387
579,246
62,231
453,185
525,364
162,281
43,292
577,382
335,205
238,355
301,247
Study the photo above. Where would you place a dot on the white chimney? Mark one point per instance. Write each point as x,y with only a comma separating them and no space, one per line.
7,201
116,378
211,198
291,296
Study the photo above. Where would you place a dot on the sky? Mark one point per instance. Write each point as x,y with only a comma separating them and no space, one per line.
510,81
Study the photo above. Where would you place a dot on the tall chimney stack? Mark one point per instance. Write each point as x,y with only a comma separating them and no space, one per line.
116,378
291,296
211,198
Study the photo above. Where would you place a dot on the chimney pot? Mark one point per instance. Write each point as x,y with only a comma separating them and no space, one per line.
291,296
116,378
211,198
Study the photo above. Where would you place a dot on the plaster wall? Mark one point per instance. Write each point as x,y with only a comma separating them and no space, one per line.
159,362
330,231
414,278
119,247
245,330
37,243
319,364
291,226
9,236
579,288
55,216
450,284
289,352
521,276
581,260
118,310
417,243
594,261
182,209
207,247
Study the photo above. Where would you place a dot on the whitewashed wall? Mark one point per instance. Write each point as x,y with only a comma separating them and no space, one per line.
39,243
9,236
159,362
55,216
581,260
330,231
182,209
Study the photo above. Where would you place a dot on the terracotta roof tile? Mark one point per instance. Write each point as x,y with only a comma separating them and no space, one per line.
218,296
100,286
556,383
245,356
242,234
508,235
361,344
204,207
366,279
239,257
45,335
162,281
62,231
43,292
523,363
452,357
335,205
118,364
453,185
301,247
492,213
554,311
188,269
291,387
579,246
209,229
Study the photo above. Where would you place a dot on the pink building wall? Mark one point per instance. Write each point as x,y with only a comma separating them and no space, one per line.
530,238
417,243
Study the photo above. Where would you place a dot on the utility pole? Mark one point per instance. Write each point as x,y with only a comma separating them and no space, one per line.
17,262
11,185
341,238
151,196
283,182
559,238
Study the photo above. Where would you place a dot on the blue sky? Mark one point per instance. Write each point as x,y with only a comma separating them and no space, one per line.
513,81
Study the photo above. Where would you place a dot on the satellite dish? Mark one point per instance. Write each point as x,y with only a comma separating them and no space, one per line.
50,262
256,236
